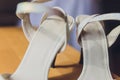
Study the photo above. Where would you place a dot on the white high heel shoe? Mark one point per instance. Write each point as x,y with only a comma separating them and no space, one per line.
95,45
45,42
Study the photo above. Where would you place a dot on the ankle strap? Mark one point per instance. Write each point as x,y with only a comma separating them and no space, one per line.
112,16
23,10
113,35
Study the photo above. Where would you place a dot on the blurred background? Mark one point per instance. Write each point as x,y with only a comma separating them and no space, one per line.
73,8
7,12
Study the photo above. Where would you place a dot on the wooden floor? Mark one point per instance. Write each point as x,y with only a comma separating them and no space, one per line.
12,48
13,45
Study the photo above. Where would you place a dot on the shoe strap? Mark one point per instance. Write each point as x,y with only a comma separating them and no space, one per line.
25,8
112,36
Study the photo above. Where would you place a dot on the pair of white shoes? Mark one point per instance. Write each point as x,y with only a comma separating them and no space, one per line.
52,36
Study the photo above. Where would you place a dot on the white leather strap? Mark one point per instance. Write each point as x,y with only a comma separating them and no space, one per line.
112,16
23,10
113,35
